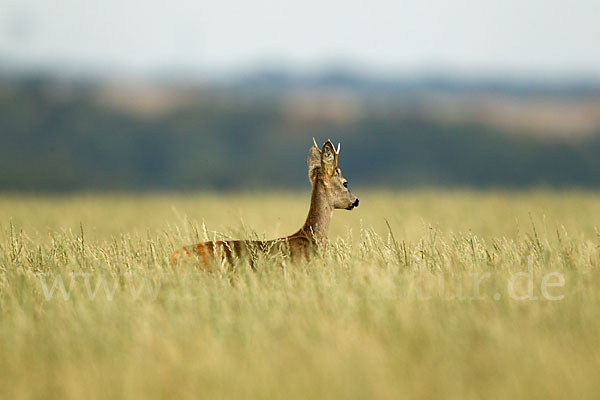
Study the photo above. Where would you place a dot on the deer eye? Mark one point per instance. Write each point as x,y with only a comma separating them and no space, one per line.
346,184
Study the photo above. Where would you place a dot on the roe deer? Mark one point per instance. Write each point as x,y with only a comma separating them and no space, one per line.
329,191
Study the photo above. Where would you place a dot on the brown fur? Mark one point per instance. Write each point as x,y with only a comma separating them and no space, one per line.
329,192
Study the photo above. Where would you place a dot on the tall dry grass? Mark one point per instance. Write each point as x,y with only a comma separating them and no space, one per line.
416,296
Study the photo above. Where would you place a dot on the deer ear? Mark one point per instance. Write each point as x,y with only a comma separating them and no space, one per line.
329,158
314,162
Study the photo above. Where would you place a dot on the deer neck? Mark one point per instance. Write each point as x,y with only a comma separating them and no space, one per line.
317,222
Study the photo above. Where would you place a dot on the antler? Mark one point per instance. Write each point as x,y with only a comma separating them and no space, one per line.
338,149
316,146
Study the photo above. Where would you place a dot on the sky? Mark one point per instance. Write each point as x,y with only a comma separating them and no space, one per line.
464,36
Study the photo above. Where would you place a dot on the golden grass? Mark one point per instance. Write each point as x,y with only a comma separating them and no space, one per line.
379,314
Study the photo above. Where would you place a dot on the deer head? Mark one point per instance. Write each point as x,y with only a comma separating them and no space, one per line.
326,177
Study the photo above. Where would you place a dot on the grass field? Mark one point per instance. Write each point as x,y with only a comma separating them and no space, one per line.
459,295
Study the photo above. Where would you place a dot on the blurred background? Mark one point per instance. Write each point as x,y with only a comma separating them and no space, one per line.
188,95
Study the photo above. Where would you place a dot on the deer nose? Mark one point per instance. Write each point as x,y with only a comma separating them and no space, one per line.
355,204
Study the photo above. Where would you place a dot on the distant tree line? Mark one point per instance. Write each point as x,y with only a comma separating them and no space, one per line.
48,143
